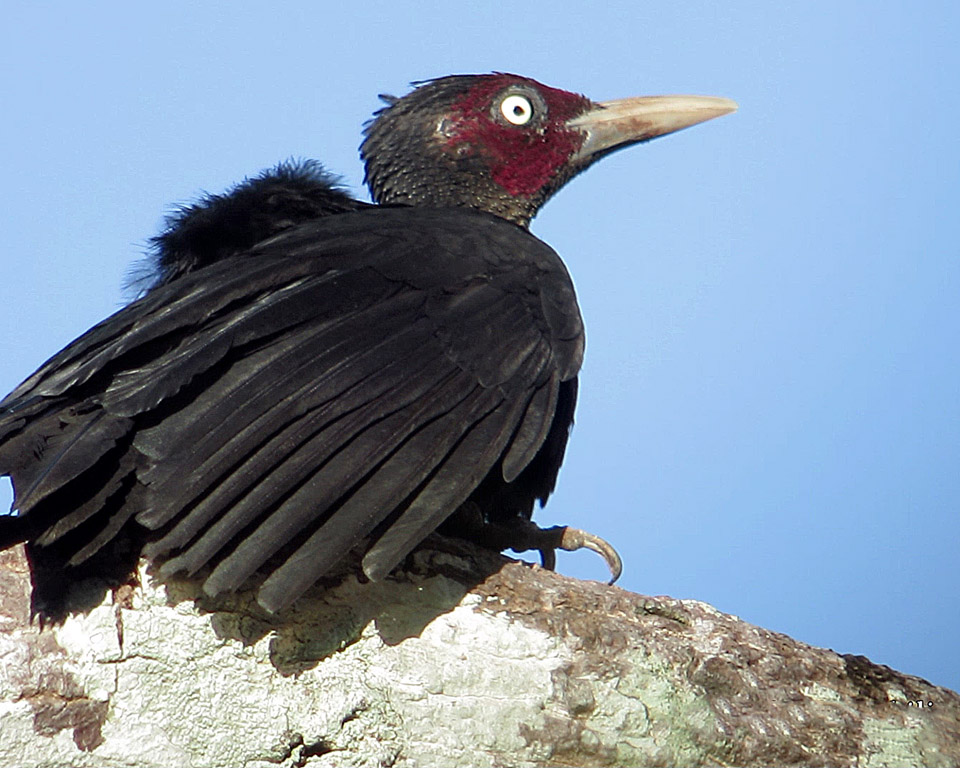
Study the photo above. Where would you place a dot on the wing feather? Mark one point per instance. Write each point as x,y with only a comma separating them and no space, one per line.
373,502
449,487
353,379
73,453
537,419
281,467
285,454
316,367
422,430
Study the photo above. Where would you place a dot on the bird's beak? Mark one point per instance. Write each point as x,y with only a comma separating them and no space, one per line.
614,124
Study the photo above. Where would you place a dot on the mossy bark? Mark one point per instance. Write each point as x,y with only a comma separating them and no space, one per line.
464,659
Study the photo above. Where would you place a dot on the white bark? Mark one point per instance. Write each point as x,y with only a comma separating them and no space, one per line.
525,668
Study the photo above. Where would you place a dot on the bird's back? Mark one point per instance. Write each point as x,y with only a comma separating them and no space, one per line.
349,382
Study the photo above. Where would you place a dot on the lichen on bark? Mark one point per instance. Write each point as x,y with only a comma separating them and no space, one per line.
464,658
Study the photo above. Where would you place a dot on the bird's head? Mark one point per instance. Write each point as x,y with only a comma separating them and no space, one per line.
504,143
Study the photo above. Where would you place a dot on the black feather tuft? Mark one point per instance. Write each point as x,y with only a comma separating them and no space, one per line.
221,226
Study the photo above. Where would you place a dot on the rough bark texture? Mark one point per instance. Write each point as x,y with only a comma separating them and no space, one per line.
461,660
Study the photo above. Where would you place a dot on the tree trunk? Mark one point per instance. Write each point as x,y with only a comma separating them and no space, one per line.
464,659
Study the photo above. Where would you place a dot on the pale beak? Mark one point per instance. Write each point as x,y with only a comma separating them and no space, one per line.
615,124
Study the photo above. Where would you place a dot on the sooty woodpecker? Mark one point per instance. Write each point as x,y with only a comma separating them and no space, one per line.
306,375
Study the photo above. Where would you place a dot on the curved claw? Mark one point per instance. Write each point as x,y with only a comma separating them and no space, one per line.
524,535
574,539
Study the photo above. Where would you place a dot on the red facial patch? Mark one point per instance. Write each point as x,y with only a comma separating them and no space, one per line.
522,158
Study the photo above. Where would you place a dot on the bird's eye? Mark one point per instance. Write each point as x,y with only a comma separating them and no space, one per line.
516,109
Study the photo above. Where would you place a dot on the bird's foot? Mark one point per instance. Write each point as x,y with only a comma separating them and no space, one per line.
570,540
548,540
523,535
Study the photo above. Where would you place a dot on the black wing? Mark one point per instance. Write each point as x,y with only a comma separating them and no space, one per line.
351,380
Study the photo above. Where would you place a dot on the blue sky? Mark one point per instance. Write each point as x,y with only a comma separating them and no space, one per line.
769,417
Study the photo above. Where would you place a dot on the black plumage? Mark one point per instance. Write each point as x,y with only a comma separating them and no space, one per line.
307,375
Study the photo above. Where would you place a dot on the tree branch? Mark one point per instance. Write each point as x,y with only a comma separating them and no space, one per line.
464,659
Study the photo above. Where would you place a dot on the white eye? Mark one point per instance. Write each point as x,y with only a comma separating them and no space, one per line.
516,109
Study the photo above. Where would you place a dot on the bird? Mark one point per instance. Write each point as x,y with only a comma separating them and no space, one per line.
306,377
